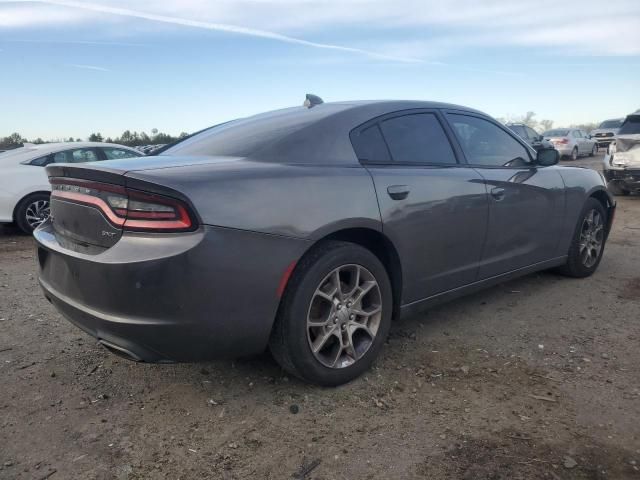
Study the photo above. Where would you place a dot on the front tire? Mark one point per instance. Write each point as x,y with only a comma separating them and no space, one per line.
32,211
594,150
587,245
334,316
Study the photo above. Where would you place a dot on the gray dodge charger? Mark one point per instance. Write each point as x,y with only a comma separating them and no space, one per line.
308,230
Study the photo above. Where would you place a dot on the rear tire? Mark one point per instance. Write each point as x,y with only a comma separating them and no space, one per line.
574,154
32,211
330,335
589,238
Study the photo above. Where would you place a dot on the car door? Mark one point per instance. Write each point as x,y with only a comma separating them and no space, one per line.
526,202
434,208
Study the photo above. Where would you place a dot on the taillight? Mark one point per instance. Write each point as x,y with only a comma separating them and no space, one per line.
126,208
564,140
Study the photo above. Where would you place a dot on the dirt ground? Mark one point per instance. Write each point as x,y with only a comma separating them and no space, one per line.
535,378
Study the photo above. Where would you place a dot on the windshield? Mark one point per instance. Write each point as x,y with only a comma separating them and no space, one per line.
519,130
611,124
556,133
631,125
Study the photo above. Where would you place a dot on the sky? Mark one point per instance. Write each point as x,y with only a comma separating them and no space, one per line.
70,68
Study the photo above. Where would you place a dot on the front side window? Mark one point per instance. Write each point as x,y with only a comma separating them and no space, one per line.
486,144
118,153
417,138
78,155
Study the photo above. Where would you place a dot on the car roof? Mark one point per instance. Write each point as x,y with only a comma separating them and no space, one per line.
315,135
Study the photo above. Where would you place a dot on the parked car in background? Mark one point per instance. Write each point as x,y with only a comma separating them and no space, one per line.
571,142
529,135
332,219
24,187
606,132
622,162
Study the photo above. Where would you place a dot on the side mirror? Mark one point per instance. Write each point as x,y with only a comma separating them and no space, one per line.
547,157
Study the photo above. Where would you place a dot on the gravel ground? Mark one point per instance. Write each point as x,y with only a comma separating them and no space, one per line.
535,378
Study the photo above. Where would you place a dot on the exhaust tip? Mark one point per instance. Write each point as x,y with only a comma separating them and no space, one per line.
119,351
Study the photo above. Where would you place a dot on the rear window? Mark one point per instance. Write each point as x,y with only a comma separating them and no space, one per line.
369,145
417,138
611,124
631,125
556,133
244,137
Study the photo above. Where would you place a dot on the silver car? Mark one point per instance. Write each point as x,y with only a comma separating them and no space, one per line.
571,142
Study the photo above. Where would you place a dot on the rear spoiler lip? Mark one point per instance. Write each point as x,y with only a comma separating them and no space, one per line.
104,175
118,177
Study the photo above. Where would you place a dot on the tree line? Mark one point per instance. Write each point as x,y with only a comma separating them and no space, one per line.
128,138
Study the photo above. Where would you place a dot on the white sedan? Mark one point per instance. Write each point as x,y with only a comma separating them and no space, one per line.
24,186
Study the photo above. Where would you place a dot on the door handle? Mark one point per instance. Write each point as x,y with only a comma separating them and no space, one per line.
497,193
398,192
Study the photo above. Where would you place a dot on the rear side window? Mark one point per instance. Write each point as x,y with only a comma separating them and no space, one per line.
417,138
369,145
487,144
41,161
117,153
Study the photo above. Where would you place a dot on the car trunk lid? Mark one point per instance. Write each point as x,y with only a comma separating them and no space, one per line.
93,204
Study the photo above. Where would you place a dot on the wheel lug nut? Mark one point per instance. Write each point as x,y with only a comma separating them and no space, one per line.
352,316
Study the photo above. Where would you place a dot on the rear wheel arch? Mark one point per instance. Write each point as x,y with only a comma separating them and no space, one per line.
378,244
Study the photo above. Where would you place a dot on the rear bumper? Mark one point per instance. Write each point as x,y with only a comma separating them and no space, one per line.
177,297
563,151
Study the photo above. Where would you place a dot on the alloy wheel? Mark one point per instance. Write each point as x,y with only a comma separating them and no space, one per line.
344,316
37,212
591,238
